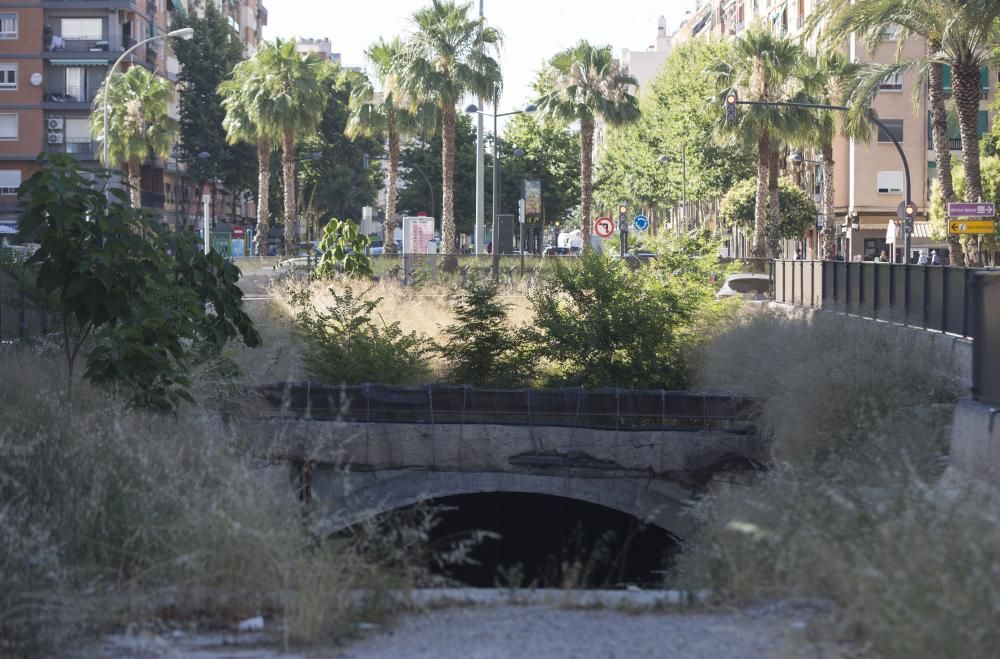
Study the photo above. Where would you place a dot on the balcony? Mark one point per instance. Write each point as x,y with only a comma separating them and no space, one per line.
81,150
57,44
800,21
955,143
68,95
153,200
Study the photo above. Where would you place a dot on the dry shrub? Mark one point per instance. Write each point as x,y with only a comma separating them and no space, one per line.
109,514
851,510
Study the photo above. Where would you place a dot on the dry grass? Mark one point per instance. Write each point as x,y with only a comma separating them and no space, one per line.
852,511
111,516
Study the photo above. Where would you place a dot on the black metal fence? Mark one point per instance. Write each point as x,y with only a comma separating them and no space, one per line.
985,295
616,409
926,296
19,318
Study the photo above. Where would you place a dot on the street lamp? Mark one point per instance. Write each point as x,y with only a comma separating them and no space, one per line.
474,109
684,179
183,33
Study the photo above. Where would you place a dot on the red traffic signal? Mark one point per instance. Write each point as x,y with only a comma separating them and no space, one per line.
731,100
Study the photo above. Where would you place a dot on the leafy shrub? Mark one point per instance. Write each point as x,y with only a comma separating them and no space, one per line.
344,250
482,348
344,345
607,325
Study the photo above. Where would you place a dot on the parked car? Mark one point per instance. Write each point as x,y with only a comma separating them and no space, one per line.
377,248
750,285
552,250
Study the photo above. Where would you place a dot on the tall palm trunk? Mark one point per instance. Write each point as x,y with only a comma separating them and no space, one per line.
968,92
288,172
135,182
759,248
586,177
942,148
263,197
829,247
450,262
392,193
773,208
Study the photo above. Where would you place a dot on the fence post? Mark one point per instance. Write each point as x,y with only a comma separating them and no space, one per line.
966,294
906,293
944,299
976,292
927,297
847,287
876,298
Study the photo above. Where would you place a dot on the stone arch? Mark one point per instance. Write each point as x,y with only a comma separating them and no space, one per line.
349,498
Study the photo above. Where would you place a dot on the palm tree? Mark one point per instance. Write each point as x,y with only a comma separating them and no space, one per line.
585,83
765,67
828,82
450,55
385,113
139,124
240,95
962,34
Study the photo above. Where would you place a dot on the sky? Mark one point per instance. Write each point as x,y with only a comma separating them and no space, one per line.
533,29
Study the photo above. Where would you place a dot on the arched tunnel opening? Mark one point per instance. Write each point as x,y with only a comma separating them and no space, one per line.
545,541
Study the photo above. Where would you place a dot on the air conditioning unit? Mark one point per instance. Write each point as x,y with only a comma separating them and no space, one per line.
55,138
55,123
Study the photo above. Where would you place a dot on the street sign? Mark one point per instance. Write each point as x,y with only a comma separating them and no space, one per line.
982,209
604,227
970,226
238,233
640,223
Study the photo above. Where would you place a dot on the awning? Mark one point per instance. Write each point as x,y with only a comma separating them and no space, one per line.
921,234
179,7
79,62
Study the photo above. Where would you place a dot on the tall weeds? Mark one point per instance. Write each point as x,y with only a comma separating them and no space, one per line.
858,416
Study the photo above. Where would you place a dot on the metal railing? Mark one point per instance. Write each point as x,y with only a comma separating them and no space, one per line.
985,294
926,296
613,409
19,316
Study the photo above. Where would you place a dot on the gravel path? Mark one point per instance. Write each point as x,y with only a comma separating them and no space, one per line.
488,624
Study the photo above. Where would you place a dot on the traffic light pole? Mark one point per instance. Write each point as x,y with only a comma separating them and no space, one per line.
875,120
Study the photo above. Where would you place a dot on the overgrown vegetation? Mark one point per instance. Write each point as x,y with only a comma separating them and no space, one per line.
851,512
344,344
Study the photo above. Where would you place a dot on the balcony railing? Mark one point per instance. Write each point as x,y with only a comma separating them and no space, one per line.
800,20
955,143
70,94
58,44
82,150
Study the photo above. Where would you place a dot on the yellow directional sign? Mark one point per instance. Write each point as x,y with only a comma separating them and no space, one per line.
970,226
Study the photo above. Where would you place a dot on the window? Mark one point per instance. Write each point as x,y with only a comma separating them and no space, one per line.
77,134
8,126
76,83
893,128
8,76
893,83
889,182
10,181
8,26
817,180
874,247
890,32
82,29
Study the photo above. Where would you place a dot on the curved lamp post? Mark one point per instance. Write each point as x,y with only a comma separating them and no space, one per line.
474,109
183,33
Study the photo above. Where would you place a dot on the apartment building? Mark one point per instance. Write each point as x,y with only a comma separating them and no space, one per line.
868,178
54,56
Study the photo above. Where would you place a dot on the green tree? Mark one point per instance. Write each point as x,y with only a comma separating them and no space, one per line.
586,83
450,55
763,67
337,184
551,154
481,347
385,114
798,210
675,121
343,246
147,310
139,123
206,60
426,154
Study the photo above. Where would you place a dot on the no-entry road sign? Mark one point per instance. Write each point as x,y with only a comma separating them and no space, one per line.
982,209
970,226
604,227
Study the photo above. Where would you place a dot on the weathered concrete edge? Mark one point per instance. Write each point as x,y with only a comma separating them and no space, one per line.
975,442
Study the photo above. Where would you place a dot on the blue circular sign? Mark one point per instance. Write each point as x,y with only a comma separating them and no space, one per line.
640,223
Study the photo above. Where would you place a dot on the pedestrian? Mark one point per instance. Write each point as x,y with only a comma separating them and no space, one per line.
884,257
922,260
798,254
935,259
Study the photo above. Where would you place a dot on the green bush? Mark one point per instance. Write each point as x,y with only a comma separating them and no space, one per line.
796,209
604,324
345,345
482,348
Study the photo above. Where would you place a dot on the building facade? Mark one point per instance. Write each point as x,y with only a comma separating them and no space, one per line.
868,177
54,56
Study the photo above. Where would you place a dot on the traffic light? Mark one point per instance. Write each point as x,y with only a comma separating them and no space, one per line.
623,218
520,211
909,212
731,99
